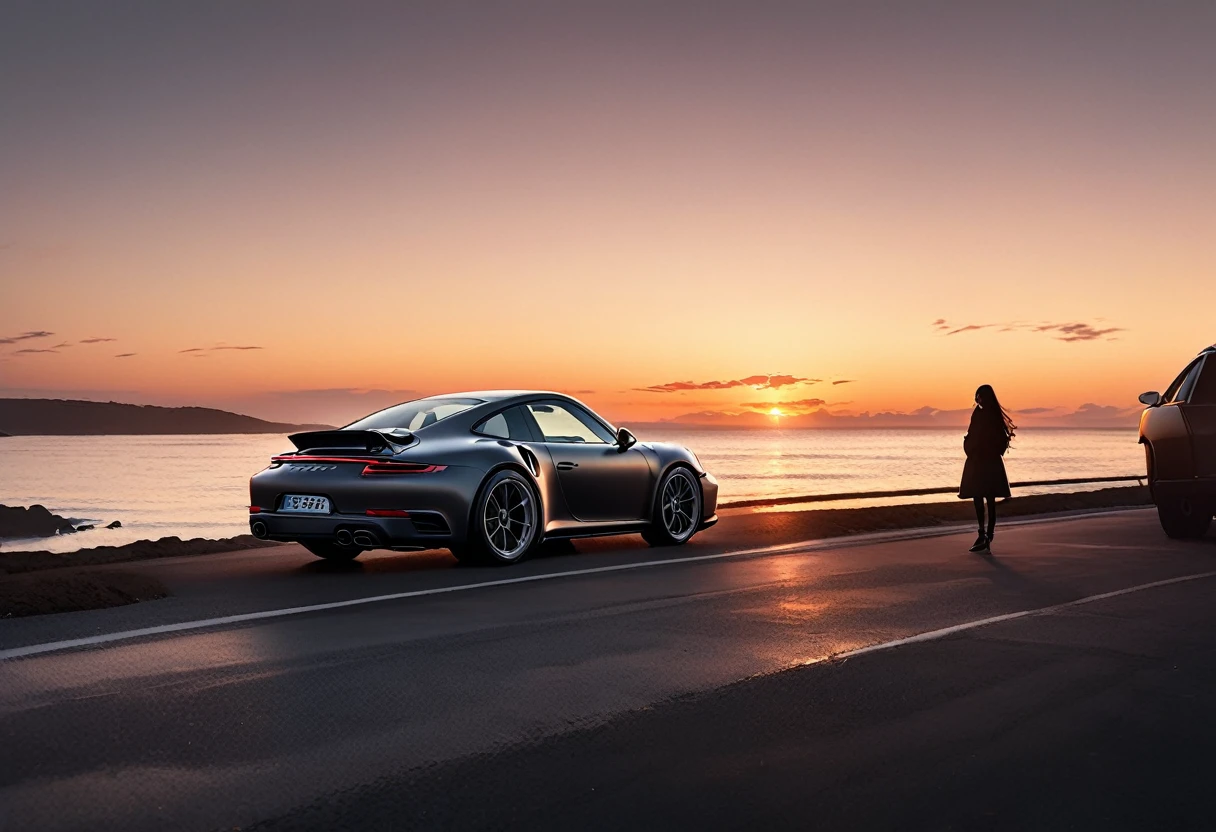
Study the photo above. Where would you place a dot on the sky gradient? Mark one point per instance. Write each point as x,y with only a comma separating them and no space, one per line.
281,206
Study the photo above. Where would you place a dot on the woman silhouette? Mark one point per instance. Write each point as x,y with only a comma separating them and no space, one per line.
984,478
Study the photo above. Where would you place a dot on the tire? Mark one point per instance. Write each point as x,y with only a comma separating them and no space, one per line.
505,522
332,551
677,509
1183,518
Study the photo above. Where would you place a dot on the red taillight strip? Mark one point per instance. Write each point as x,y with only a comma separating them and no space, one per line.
387,512
388,466
379,469
255,509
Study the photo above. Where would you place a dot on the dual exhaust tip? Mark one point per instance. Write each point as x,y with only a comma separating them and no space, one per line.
345,537
361,537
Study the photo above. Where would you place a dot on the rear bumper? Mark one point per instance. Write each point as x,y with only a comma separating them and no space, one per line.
432,530
437,505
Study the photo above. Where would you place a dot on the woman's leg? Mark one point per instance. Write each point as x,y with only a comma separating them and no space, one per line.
979,512
991,517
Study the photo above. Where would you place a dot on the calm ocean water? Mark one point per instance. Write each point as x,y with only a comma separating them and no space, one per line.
197,486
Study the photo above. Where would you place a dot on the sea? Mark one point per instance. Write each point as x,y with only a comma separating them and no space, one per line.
197,486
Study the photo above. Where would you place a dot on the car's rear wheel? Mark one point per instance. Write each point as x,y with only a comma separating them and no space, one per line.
505,522
332,551
1183,518
677,509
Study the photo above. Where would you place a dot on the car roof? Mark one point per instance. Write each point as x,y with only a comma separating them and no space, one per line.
497,395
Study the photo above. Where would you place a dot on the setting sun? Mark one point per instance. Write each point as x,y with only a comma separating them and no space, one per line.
775,412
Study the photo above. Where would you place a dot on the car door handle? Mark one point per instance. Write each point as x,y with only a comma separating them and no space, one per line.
567,466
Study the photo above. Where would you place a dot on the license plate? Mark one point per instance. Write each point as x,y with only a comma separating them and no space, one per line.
304,504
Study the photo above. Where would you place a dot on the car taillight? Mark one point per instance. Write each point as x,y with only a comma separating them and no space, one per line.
255,509
379,469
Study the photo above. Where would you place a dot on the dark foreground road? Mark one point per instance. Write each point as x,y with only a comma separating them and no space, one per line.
650,697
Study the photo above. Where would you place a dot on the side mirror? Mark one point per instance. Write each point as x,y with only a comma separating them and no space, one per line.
1151,399
625,440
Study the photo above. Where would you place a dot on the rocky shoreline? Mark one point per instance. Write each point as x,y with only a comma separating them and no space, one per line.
12,563
38,521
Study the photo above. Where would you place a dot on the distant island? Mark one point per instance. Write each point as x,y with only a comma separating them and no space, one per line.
65,417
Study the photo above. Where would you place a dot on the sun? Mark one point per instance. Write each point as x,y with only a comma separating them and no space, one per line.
776,411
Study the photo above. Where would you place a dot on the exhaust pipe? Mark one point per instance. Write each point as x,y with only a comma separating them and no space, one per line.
365,539
259,530
343,537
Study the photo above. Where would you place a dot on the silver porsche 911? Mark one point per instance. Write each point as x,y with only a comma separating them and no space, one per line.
487,475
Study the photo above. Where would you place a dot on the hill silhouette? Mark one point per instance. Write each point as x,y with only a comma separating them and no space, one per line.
67,417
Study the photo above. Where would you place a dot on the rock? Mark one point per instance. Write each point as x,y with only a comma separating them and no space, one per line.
35,521
84,528
114,525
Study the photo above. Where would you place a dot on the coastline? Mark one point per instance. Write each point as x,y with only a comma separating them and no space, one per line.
824,522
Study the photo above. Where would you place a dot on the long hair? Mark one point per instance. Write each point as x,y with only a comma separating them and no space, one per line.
985,396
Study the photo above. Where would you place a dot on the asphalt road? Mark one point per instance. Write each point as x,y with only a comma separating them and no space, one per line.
607,690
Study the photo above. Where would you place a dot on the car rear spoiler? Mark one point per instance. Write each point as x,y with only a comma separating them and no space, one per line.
368,441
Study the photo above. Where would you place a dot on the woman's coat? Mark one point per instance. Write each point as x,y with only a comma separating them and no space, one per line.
985,443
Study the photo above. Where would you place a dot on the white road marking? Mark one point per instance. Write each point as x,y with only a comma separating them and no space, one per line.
799,547
933,635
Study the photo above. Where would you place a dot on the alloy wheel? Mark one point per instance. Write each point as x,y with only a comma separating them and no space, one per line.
679,501
508,518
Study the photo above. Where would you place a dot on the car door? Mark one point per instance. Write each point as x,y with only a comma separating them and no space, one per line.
601,482
1165,429
1200,414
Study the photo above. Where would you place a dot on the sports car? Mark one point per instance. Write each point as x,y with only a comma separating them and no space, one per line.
487,475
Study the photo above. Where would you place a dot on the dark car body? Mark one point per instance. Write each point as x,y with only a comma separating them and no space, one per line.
417,486
1178,431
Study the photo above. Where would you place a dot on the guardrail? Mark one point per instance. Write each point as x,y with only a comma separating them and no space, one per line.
909,492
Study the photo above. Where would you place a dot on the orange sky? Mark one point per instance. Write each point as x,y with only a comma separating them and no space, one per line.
606,199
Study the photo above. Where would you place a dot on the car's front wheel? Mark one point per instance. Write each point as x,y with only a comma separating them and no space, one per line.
677,509
1183,518
505,522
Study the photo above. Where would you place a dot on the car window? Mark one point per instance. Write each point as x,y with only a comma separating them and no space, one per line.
496,425
559,423
413,415
1203,391
1181,388
510,424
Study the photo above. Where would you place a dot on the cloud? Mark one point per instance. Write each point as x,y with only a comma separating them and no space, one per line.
757,382
219,347
28,351
1068,331
1077,331
1035,411
97,340
843,381
26,336
61,346
126,354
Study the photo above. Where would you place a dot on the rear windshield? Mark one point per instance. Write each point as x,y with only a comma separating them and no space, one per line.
413,415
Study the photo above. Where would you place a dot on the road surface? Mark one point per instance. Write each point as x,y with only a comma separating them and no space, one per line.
725,684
